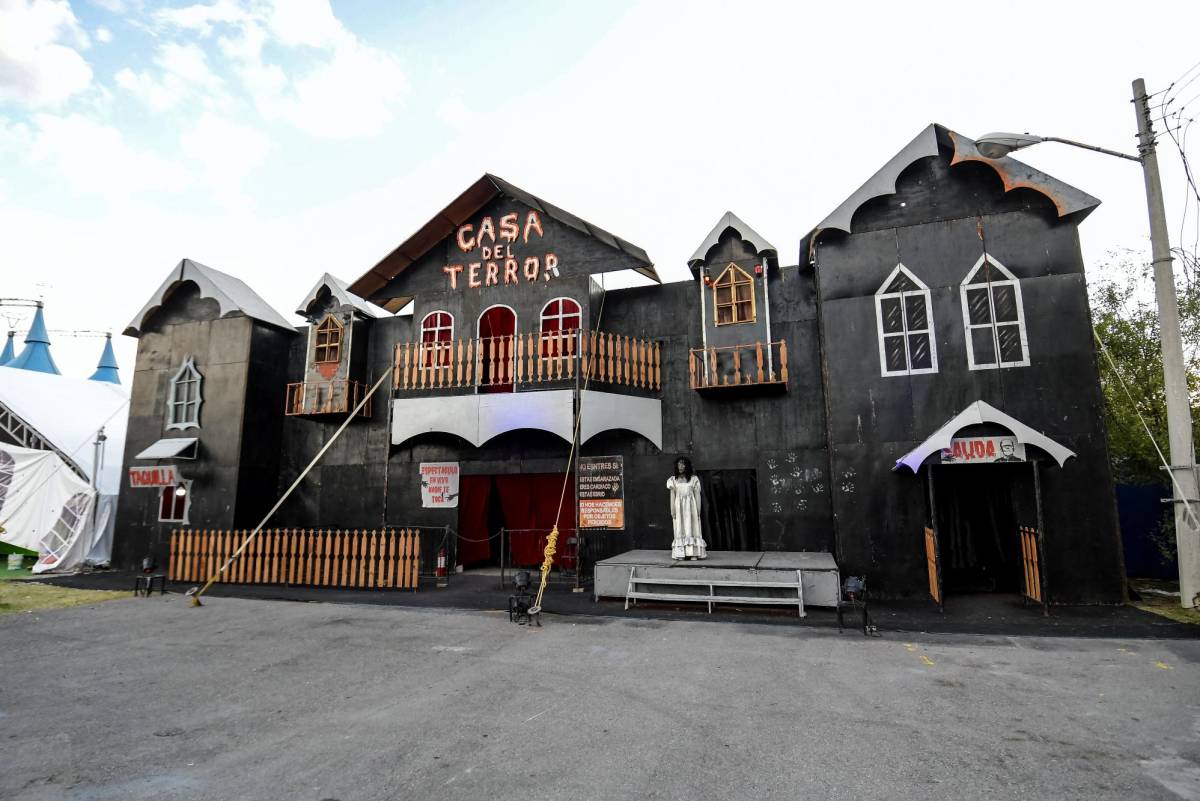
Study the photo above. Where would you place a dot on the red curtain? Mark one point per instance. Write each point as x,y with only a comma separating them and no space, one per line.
473,497
530,502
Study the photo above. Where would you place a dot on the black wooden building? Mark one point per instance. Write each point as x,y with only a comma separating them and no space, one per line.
927,365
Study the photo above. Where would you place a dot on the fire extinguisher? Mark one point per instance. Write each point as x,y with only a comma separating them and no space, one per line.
441,563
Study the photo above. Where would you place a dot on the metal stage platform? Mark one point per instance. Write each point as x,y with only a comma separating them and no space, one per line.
785,578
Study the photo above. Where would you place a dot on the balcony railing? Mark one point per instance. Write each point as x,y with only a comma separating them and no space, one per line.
529,361
756,364
326,397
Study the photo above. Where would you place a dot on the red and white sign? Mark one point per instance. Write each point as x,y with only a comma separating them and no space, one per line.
157,476
439,485
983,450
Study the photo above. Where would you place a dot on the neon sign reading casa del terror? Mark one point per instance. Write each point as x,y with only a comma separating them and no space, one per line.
497,263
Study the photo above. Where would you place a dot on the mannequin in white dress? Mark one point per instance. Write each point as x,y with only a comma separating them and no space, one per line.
684,487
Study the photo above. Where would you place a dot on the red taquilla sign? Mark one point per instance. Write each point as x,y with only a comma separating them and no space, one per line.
497,263
157,476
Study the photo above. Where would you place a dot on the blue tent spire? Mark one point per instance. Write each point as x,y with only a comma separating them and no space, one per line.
36,353
8,354
106,370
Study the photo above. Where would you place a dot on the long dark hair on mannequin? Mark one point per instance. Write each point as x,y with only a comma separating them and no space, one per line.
687,467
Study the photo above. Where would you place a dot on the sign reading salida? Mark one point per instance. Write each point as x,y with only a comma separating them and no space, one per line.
493,260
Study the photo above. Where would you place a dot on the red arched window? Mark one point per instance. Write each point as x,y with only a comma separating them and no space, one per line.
437,331
559,316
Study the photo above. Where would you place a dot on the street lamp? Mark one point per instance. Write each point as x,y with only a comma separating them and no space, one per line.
1182,469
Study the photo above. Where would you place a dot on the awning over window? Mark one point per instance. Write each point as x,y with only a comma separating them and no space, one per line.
171,448
980,412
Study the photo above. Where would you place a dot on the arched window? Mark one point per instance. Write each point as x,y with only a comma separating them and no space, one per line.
184,398
328,346
733,297
437,332
559,316
905,318
993,317
8,468
174,502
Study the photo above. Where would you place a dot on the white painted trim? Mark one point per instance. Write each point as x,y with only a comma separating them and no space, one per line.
881,295
981,412
189,367
578,312
187,501
479,338
453,322
969,328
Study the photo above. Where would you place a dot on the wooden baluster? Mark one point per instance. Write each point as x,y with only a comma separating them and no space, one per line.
658,367
692,368
371,562
396,366
414,561
783,371
365,562
184,544
643,363
627,361
520,360
758,358
737,365
469,365
510,354
610,360
712,376
571,338
491,361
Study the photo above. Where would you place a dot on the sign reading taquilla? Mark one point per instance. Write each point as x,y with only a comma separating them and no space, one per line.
495,253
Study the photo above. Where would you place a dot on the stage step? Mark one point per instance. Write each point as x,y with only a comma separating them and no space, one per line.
633,594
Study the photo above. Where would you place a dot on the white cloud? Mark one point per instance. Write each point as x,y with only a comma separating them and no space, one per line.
455,114
103,35
182,73
93,158
225,152
40,64
329,83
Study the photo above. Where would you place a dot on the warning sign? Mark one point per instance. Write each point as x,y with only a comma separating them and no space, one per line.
601,492
439,485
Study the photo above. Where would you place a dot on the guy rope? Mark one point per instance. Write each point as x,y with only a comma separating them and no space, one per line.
552,540
233,556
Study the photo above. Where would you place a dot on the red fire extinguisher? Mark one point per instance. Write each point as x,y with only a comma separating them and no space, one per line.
441,563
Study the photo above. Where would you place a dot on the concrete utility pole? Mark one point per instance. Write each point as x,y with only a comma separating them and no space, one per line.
1179,411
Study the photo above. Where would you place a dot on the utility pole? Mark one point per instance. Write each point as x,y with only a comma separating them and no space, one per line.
1179,412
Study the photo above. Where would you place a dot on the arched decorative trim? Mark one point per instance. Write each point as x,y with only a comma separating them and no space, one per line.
975,414
562,316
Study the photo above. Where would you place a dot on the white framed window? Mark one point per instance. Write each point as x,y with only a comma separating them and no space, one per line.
993,317
904,316
437,335
558,317
184,399
174,502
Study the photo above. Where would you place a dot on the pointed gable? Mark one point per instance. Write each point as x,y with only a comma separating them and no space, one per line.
106,370
36,353
731,221
465,210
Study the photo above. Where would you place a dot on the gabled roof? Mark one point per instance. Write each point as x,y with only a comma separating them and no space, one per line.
36,353
465,206
106,370
232,296
341,291
1067,199
761,246
975,414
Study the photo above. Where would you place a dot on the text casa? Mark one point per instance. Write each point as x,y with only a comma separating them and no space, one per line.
497,263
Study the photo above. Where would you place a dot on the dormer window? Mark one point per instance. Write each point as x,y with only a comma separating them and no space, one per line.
184,399
733,297
328,349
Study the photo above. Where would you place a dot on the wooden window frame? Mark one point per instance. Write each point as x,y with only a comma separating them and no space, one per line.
321,350
734,281
903,296
992,327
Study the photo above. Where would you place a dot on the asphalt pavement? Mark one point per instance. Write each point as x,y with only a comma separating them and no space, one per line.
251,699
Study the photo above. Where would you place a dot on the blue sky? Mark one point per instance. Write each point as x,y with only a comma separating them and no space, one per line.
279,140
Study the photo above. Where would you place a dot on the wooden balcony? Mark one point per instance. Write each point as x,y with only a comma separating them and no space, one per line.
759,364
314,398
551,360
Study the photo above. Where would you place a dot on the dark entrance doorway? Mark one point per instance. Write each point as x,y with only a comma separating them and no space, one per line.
977,512
526,507
729,510
497,332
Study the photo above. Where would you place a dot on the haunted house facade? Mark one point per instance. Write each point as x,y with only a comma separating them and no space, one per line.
926,370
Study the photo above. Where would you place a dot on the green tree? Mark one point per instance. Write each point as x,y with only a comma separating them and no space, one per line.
1125,318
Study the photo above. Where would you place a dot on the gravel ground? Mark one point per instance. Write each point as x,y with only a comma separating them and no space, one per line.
249,699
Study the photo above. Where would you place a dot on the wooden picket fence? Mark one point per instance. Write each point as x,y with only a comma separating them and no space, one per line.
525,359
375,559
1032,565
